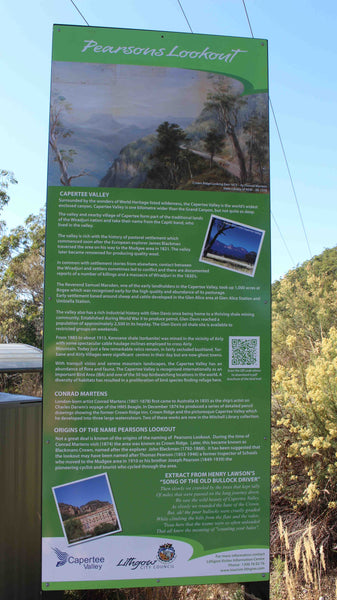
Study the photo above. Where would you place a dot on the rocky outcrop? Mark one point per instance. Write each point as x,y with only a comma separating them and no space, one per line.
68,510
130,168
123,173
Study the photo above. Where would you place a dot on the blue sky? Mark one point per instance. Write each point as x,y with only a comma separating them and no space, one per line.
303,89
81,492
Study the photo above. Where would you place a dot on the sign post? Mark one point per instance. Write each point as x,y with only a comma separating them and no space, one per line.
157,319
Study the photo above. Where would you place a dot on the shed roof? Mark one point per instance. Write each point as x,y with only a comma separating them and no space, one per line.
20,357
8,399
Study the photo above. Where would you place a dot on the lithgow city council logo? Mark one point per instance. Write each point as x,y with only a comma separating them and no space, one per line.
166,553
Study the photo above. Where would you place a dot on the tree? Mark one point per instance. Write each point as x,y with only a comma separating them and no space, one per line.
257,144
57,133
21,287
6,178
304,413
105,528
305,428
304,306
214,142
221,227
227,104
170,160
74,530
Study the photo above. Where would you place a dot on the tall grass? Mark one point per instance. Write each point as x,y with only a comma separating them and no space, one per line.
230,591
301,566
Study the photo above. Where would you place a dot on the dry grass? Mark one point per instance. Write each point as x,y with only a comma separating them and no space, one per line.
231,591
279,591
300,570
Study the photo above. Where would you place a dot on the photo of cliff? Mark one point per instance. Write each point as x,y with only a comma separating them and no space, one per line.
86,508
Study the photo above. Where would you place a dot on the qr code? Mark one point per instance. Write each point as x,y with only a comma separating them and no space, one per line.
244,352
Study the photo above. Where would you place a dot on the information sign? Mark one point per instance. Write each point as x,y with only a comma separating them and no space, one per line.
156,426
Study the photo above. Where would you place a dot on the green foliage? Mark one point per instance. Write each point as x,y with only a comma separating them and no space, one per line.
305,384
21,286
304,306
237,595
170,159
227,104
68,155
74,530
137,152
214,142
105,528
6,178
277,576
199,128
257,144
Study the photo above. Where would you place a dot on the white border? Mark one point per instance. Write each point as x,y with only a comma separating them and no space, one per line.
242,225
89,539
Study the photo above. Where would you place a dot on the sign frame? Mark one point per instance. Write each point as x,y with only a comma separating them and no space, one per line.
157,312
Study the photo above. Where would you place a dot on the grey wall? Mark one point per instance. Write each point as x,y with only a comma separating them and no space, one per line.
20,500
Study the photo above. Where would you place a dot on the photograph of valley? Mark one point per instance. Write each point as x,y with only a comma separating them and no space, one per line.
131,126
86,508
233,246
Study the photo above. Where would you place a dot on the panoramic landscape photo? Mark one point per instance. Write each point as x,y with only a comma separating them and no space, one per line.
231,245
131,126
86,509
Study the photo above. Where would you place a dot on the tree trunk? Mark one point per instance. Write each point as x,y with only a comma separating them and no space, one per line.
239,153
211,242
64,174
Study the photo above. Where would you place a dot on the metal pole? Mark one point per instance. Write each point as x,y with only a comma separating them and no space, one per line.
257,590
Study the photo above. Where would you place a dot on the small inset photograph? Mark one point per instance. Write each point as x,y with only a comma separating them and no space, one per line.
87,509
231,245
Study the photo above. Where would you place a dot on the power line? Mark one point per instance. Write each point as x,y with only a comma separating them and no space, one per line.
284,154
79,12
250,27
290,176
180,5
282,146
186,19
282,238
274,116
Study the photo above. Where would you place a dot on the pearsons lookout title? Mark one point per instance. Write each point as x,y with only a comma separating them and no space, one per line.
206,54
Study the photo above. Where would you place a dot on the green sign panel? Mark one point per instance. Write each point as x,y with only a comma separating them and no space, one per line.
157,316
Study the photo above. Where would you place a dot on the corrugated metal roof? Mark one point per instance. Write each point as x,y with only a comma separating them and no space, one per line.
17,398
20,357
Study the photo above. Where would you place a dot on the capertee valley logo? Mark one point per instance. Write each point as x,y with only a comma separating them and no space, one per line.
87,562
